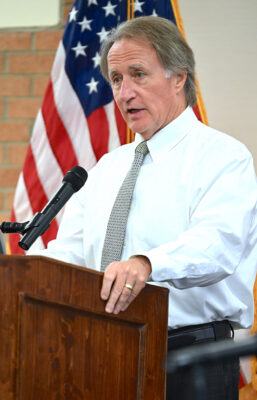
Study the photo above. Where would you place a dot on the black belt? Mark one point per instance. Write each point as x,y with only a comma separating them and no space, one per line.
189,335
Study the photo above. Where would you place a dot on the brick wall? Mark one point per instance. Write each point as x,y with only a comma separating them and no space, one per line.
26,59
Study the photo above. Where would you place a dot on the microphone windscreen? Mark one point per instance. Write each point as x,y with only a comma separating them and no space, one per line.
77,176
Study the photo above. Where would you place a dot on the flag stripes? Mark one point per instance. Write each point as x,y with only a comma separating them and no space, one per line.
78,121
65,155
97,122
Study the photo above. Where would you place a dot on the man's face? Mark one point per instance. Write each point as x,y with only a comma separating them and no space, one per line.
147,99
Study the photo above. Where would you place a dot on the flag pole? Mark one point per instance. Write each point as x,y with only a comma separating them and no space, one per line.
200,103
130,14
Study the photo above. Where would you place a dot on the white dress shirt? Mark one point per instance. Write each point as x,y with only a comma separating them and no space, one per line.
193,214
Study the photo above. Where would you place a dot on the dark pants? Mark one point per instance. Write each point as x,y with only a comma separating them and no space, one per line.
208,381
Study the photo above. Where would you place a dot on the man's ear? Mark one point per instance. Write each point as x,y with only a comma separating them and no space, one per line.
181,78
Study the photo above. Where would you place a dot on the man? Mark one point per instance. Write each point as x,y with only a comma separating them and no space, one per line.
192,220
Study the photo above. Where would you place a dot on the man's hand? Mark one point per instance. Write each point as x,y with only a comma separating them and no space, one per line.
133,273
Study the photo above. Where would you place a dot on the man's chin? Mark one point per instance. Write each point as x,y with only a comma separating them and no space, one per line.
146,134
140,126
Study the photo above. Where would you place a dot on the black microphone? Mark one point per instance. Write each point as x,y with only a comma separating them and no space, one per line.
13,227
72,182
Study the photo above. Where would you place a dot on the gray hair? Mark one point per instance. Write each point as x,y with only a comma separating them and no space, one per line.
172,50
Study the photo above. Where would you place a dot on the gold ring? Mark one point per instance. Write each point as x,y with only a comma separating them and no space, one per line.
130,287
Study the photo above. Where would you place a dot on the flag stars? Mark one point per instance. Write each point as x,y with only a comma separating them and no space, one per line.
109,9
103,34
85,24
90,2
73,14
138,5
96,59
92,85
79,49
154,14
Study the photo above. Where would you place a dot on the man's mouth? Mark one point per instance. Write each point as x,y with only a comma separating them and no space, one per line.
133,110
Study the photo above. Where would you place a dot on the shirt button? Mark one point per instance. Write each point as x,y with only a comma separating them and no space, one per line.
192,268
162,275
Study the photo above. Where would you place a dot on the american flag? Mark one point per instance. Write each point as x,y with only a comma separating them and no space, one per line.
78,121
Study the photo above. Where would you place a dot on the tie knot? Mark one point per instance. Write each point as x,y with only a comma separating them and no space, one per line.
142,148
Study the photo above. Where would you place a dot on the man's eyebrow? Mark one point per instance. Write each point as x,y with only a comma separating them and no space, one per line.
113,71
136,66
132,67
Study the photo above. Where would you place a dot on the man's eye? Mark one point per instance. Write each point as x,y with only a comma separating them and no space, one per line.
139,74
116,80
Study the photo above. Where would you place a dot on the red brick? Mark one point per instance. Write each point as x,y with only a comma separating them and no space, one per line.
16,154
66,11
9,197
1,63
5,216
1,201
1,154
40,84
14,86
24,108
9,176
47,40
1,107
31,63
15,41
14,131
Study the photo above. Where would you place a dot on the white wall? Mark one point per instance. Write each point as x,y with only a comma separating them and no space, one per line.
29,13
223,36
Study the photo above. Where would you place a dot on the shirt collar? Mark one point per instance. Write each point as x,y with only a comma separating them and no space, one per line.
168,137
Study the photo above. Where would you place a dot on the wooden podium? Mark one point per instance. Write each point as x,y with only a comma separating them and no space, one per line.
58,343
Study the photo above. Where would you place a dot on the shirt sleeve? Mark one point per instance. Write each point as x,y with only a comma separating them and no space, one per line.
222,228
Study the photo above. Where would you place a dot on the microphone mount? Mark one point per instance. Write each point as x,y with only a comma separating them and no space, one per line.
36,223
31,230
14,227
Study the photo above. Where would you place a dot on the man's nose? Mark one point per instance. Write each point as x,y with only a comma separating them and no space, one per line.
127,91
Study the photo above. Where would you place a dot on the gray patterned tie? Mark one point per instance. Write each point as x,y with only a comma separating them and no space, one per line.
116,228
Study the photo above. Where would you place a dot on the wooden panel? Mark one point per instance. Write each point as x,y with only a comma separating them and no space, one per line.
57,341
60,345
